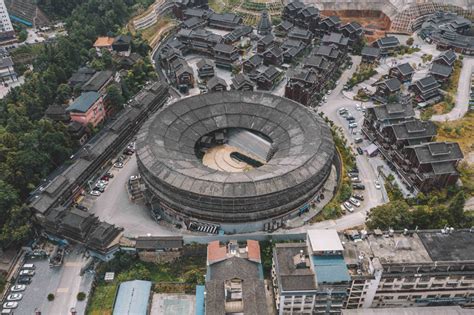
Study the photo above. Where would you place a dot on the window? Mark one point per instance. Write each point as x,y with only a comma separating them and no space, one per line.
431,296
407,286
390,279
403,297
445,295
437,285
416,296
421,286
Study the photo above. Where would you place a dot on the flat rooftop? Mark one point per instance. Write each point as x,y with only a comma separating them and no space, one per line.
324,240
458,245
430,310
398,249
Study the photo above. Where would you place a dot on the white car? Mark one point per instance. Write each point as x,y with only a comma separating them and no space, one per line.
27,273
342,110
358,107
18,288
377,184
348,206
133,177
103,182
118,165
94,193
353,125
10,305
14,297
329,92
354,201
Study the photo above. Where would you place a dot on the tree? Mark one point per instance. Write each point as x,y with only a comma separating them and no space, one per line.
395,215
115,97
455,210
22,35
410,41
81,296
63,93
51,297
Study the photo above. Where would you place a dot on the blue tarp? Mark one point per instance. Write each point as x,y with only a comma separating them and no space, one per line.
330,269
20,20
132,298
200,299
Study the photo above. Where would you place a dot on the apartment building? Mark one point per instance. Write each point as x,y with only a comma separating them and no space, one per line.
311,277
6,28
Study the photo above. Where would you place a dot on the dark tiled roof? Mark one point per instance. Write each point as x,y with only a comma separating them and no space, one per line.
241,79
316,62
159,242
192,22
224,48
393,111
84,102
97,81
6,62
441,70
299,33
286,25
266,40
435,152
327,51
405,69
414,129
214,81
276,51
224,17
255,60
393,84
335,38
427,83
370,51
447,56
204,62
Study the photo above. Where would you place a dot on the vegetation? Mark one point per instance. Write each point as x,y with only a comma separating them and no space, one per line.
333,209
81,296
30,146
364,72
185,272
50,297
410,41
405,50
426,211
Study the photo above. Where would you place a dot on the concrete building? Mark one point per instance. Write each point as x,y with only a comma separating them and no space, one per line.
7,72
311,277
87,109
6,28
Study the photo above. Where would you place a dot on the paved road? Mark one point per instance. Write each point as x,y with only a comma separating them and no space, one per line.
114,206
463,93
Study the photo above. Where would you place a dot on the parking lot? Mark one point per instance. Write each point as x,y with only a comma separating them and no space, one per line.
64,282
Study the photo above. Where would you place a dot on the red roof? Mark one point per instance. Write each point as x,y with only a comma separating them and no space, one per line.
253,248
216,252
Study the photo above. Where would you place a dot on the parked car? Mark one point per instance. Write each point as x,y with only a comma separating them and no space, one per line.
94,193
109,175
14,297
358,140
99,188
133,177
28,266
18,288
358,186
329,92
342,111
353,125
10,305
118,165
80,207
24,280
355,180
348,206
377,184
27,272
103,182
357,196
353,175
354,201
359,150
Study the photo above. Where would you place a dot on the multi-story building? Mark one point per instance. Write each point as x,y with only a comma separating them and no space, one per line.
303,85
403,72
265,43
205,68
332,272
387,87
301,34
387,45
234,280
252,63
446,58
328,25
242,82
441,72
6,28
311,277
370,54
273,56
216,84
87,109
226,21
237,34
198,40
264,26
7,72
225,55
425,89
331,53
268,79
410,268
337,39
353,31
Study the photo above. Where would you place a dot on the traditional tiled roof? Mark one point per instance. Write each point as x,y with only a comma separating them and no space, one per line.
441,70
435,152
370,51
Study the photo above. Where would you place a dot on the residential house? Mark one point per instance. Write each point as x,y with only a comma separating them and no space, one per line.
193,23
303,85
328,25
337,39
406,133
7,72
81,76
289,55
195,12
446,58
388,87
234,281
198,40
441,72
283,28
425,89
78,132
216,84
308,18
225,55
331,53
301,34
311,277
388,45
103,42
184,75
265,43
403,72
252,63
226,21
370,54
205,68
99,82
353,31
268,78
237,34
242,82
291,10
57,112
273,56
122,45
159,248
87,109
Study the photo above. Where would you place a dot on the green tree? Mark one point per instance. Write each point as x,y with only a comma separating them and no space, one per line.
115,97
410,41
455,210
394,215
22,35
63,93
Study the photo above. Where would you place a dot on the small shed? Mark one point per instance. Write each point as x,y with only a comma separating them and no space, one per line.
133,297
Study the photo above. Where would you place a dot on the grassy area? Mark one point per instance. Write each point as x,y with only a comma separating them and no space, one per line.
460,131
149,34
364,72
185,270
333,209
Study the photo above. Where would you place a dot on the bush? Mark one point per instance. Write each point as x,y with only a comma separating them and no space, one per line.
410,41
81,296
50,297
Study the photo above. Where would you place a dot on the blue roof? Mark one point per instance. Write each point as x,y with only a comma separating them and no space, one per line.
132,298
83,102
200,299
330,269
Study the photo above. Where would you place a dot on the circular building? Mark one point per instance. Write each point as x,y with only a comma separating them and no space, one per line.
234,158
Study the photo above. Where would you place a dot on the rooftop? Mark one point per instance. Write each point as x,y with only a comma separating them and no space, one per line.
458,245
84,102
104,41
330,268
132,297
324,240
